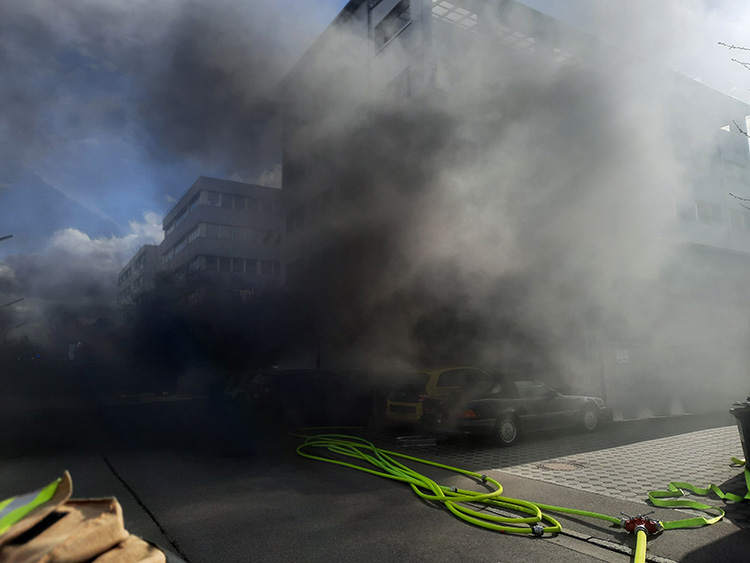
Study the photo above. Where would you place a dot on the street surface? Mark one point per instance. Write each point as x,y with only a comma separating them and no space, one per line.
211,482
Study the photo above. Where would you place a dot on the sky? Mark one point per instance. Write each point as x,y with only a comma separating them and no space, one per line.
102,104
111,109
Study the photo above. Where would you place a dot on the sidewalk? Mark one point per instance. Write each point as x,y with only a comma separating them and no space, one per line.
268,504
609,472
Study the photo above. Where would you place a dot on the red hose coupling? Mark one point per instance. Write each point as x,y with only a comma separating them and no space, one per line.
634,524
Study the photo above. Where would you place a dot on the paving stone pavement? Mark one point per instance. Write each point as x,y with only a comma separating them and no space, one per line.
618,464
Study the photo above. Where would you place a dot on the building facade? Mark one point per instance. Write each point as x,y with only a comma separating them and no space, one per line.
381,116
225,237
222,240
137,277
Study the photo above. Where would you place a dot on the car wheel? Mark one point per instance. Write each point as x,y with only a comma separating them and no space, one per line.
506,430
590,419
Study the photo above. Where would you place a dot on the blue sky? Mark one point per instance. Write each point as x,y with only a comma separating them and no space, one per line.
103,107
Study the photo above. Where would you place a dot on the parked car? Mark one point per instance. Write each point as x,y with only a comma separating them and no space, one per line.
308,397
506,407
405,400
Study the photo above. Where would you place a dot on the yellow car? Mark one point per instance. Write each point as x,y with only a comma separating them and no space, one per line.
404,404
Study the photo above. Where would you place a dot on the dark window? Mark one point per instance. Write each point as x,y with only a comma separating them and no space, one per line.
452,378
212,263
396,20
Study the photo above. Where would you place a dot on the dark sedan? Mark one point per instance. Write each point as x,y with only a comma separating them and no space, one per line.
505,408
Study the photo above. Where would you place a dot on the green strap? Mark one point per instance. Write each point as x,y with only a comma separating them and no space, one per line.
675,489
15,509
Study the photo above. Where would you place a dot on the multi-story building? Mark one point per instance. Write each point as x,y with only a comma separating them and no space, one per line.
223,237
603,165
222,240
137,277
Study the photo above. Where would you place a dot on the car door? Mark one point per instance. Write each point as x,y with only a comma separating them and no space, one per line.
538,408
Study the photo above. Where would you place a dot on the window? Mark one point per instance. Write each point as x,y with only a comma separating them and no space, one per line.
238,265
453,378
685,210
212,231
269,268
193,203
180,245
454,15
251,266
392,24
225,264
532,389
225,231
180,216
709,212
212,263
739,220
213,198
251,205
197,263
125,275
240,202
194,234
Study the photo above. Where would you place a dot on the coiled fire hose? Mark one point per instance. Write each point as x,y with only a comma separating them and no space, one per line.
471,506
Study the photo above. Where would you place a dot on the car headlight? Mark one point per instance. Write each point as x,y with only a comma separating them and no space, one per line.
599,402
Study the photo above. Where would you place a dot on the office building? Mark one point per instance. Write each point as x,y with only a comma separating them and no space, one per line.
222,241
405,114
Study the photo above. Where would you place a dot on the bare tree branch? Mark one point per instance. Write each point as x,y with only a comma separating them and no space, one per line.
731,47
743,63
737,125
740,199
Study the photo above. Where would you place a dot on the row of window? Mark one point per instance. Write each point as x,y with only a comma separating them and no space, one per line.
212,230
124,276
209,263
219,199
125,293
713,214
241,202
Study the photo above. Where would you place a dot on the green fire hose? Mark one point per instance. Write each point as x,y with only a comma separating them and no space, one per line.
472,506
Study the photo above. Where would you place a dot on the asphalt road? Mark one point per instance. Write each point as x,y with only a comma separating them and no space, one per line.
213,483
